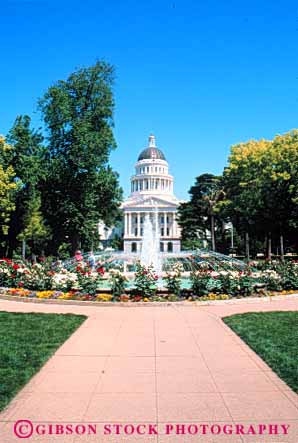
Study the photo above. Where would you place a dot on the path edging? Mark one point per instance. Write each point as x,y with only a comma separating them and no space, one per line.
235,301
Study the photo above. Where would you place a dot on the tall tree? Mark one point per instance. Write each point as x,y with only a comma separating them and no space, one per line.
261,184
200,214
35,231
28,161
8,188
81,187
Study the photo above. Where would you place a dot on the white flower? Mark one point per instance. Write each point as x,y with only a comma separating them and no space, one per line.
61,280
216,274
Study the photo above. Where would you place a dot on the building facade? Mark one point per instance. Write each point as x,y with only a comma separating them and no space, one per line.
151,193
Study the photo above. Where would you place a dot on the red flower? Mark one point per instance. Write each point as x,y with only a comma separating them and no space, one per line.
137,298
20,284
7,260
100,270
15,266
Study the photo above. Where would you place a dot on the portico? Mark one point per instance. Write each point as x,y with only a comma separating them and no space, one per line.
151,193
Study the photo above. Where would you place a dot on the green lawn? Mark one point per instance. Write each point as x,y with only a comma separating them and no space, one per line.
26,343
274,337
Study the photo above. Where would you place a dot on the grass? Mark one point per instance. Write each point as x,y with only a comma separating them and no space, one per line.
274,337
26,343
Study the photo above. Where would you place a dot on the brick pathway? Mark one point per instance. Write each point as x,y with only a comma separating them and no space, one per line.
165,365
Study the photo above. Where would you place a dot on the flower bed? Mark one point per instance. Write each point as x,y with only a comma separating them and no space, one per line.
51,281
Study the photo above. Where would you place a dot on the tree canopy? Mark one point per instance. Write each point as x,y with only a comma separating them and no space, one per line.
258,193
8,188
55,188
198,216
80,187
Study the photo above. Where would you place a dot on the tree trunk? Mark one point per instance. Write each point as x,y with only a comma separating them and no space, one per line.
247,245
282,251
269,247
75,243
212,232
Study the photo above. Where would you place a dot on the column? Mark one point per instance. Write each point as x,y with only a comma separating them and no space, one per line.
165,225
139,224
170,225
174,225
125,223
129,224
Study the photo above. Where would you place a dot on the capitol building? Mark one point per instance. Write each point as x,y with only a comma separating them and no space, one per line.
152,193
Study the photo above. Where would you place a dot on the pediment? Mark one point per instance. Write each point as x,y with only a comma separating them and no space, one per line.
150,202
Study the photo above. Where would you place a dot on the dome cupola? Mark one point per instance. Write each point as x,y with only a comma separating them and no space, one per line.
151,152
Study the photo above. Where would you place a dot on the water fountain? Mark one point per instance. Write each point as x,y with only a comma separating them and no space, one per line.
150,244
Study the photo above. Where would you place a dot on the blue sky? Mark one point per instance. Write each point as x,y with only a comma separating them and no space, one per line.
199,75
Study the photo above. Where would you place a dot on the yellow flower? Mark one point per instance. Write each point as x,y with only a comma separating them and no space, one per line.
44,294
104,297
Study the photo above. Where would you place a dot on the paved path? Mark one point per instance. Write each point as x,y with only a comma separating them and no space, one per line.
166,365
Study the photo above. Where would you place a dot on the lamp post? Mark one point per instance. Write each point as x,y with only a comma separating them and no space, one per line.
232,236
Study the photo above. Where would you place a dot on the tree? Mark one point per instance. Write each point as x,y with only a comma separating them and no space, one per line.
261,183
35,231
28,155
8,188
28,160
200,214
81,187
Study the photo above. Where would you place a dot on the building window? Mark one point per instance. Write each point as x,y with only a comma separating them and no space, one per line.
142,232
136,232
136,219
147,168
170,246
133,247
168,231
162,231
161,247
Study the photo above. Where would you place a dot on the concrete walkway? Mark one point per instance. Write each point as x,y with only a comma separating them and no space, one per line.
155,365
